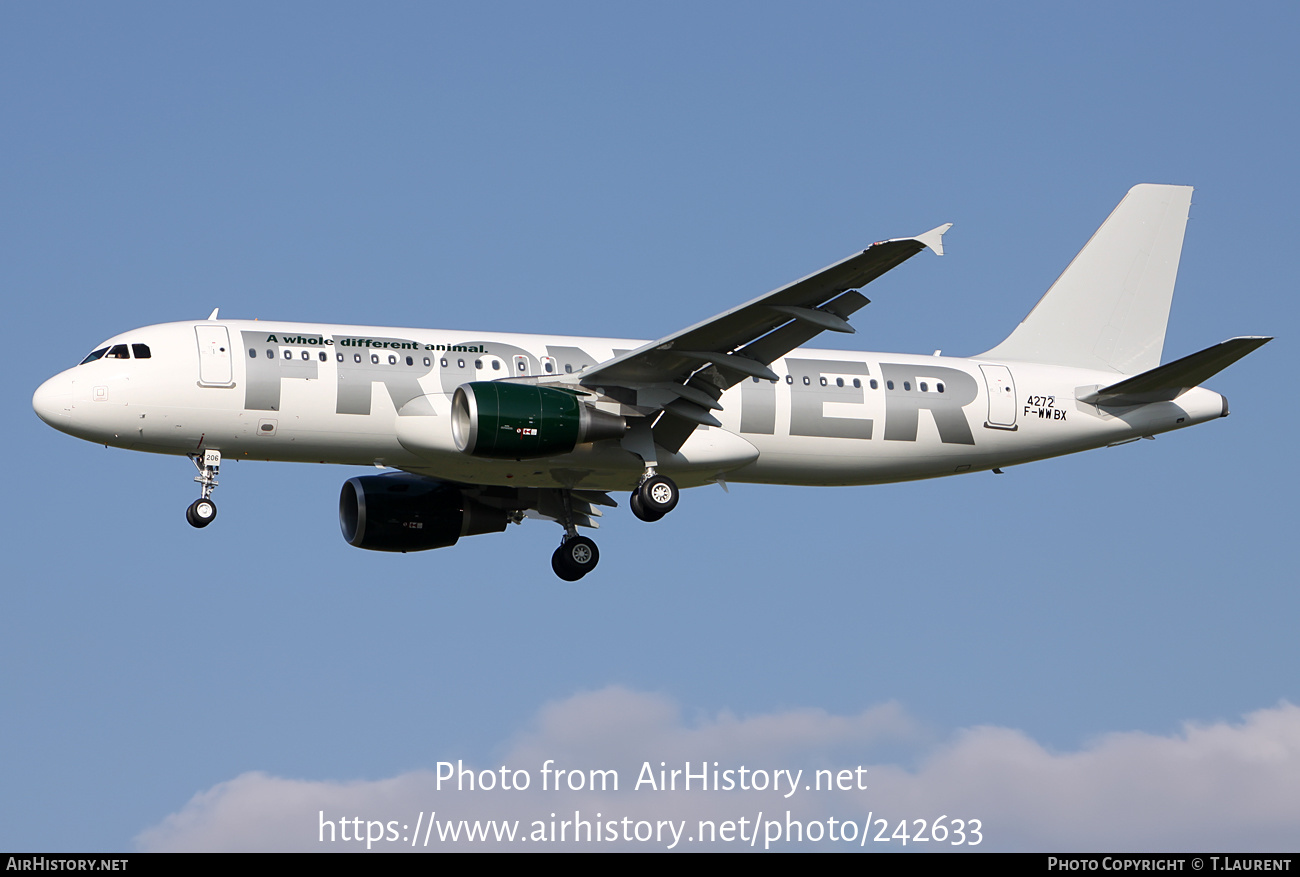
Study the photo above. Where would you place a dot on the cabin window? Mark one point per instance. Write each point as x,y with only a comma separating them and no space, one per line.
807,382
756,379
550,367
857,384
907,385
789,379
924,387
839,382
252,353
874,385
443,362
568,368
270,354
306,356
356,357
392,359
323,357
427,362
288,354
939,387
496,365
823,380
460,363
889,385
523,366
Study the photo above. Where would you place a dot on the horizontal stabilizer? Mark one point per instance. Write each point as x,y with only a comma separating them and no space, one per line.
1167,382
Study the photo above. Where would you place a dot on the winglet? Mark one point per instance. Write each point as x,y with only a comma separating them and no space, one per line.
213,315
934,238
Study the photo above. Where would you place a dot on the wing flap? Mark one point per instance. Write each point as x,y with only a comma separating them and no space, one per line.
692,412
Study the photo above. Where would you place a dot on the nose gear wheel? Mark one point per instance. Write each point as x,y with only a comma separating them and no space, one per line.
201,512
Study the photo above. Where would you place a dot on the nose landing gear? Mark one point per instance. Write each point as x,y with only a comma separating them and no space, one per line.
203,511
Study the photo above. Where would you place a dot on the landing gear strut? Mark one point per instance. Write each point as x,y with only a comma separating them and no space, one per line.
577,555
654,497
203,511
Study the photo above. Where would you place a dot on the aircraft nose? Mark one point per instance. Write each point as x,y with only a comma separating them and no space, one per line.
52,401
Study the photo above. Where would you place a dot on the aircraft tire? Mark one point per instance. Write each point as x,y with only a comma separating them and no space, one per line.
639,509
557,564
201,513
659,495
575,558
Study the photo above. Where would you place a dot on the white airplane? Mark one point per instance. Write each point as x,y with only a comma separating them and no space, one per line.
487,428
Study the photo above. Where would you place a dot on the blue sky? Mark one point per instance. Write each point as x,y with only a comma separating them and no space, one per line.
609,170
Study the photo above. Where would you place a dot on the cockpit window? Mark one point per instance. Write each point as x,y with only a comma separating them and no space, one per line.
119,351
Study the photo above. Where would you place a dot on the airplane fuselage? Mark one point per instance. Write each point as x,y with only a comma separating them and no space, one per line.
382,396
485,429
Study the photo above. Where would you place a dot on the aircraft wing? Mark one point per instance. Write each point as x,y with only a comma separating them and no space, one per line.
685,373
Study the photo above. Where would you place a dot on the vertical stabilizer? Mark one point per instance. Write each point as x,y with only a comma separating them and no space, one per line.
1110,307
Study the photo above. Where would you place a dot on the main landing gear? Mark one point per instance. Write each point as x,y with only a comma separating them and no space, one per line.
203,511
654,497
576,556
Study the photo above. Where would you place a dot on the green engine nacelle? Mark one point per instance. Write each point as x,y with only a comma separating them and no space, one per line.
510,421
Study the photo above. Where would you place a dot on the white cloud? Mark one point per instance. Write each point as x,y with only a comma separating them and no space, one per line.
1210,787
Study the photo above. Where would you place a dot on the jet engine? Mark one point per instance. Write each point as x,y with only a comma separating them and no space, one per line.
509,421
403,512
